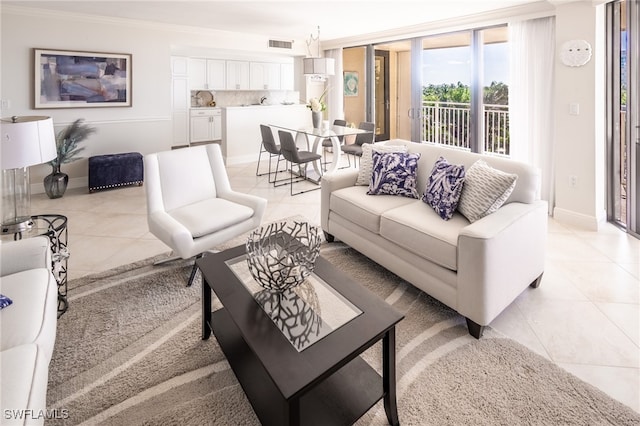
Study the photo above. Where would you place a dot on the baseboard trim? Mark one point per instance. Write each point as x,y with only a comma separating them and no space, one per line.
79,182
579,220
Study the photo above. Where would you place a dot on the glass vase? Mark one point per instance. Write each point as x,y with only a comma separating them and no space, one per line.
56,183
316,117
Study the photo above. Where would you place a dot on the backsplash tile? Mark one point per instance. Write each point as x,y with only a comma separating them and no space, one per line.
225,98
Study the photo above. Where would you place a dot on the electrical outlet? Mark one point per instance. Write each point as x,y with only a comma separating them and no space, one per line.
5,104
573,181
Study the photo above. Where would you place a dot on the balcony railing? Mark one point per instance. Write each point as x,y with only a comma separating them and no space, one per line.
448,123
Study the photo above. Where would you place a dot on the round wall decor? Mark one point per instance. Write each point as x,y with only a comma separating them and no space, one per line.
575,53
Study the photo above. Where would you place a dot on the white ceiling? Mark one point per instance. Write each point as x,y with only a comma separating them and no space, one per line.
283,20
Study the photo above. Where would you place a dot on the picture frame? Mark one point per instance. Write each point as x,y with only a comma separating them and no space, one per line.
78,79
351,82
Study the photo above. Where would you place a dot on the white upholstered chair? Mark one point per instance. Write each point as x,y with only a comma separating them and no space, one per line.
190,204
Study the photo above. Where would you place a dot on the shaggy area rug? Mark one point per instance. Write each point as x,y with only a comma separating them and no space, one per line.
129,352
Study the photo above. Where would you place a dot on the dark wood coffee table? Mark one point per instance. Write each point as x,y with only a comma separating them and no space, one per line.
307,370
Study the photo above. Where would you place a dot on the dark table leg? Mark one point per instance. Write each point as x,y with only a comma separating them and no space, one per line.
389,376
293,412
206,308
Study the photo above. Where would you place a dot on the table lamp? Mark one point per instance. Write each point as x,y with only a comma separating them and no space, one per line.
26,141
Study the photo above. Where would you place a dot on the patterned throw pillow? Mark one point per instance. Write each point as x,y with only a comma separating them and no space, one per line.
485,190
366,161
394,173
4,301
444,188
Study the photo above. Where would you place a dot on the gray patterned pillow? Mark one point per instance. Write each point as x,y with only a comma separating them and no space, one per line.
394,173
366,162
444,188
485,190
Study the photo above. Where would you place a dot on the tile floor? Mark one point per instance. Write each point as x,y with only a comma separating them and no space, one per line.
585,316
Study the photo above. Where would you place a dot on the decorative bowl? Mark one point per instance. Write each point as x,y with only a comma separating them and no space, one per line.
282,255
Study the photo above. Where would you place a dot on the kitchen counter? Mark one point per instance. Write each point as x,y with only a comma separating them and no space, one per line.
262,106
241,138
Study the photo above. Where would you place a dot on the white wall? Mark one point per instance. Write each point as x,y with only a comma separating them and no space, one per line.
580,139
146,126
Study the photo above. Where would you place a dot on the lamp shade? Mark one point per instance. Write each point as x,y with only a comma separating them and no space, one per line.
320,66
27,141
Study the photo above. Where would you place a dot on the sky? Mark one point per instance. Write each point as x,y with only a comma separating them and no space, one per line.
453,64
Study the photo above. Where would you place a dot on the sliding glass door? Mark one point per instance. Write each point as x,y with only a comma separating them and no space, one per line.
623,114
450,89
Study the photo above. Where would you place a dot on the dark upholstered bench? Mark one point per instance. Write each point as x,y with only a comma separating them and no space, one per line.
113,170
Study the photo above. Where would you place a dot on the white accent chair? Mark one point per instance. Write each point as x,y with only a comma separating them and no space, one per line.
190,204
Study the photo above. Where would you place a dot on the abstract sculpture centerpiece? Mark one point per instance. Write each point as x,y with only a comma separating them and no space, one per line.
282,255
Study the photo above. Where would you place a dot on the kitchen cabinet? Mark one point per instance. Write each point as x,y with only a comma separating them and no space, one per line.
237,77
264,76
206,124
180,101
286,77
207,74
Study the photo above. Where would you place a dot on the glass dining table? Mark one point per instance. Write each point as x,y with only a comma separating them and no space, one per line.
333,133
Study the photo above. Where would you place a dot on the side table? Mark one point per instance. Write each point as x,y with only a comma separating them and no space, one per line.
53,226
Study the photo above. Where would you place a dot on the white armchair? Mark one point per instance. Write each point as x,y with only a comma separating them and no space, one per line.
190,204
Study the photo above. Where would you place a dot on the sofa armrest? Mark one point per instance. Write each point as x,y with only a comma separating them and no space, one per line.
498,257
332,182
23,255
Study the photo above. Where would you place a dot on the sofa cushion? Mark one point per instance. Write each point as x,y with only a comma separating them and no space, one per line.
444,188
366,162
32,292
394,173
221,214
419,229
353,204
4,301
485,190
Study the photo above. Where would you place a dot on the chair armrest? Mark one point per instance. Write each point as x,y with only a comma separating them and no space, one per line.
23,255
498,257
171,232
332,182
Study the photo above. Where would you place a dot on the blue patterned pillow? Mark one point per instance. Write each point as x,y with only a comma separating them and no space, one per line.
444,188
394,173
4,301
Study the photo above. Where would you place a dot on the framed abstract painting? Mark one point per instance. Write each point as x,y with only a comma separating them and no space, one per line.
72,79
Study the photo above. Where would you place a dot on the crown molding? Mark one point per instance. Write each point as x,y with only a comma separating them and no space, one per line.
538,9
126,22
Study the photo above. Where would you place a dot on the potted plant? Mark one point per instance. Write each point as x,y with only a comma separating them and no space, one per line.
67,148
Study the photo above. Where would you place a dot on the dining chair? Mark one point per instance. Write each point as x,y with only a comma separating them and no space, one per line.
190,204
293,155
326,143
355,148
269,145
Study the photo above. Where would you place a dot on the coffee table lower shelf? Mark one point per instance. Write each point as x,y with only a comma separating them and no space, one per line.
340,399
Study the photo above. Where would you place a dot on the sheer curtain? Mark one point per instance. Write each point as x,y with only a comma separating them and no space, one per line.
531,98
335,104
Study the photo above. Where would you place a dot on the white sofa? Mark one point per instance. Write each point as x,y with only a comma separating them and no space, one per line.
28,329
476,268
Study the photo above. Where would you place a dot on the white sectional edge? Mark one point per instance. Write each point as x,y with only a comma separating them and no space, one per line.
28,330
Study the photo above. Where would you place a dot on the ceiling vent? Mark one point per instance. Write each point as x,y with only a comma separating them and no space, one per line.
280,44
